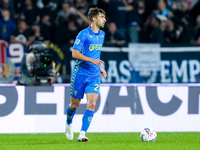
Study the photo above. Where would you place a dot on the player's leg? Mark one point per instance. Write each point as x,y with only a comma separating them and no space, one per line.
70,112
88,115
92,93
71,109
77,88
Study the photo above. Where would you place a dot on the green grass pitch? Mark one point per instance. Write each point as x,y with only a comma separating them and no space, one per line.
101,141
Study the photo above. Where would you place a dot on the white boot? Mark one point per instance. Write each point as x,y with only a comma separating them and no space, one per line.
82,137
69,131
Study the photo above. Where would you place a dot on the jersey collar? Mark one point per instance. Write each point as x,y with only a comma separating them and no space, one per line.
92,32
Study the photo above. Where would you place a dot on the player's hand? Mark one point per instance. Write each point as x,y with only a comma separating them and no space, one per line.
103,73
97,61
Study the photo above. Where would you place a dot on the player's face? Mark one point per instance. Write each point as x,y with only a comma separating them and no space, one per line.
101,20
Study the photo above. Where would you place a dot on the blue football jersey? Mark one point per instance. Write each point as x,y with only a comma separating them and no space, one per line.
89,44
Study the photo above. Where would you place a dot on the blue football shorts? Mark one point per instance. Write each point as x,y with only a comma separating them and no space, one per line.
80,84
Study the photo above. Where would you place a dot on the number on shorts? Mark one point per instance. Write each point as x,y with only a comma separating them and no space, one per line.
96,88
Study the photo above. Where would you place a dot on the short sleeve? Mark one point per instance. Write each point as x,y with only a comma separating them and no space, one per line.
80,40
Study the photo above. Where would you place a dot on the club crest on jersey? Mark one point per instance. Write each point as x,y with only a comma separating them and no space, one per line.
77,41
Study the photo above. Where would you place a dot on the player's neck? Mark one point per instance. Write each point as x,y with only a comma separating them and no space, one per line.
94,28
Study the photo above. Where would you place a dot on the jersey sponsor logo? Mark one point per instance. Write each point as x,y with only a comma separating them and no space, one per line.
77,41
95,47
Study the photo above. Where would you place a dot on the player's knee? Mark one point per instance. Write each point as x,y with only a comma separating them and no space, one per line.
74,106
91,105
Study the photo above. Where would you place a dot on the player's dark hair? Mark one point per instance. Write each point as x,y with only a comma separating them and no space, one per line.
93,12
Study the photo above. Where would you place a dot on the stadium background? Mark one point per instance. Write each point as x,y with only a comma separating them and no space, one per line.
140,69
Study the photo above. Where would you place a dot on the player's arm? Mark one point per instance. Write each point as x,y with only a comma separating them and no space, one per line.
103,72
77,55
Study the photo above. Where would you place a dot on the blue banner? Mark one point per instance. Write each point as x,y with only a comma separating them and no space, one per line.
134,64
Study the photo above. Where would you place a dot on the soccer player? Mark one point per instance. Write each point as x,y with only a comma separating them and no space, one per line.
87,72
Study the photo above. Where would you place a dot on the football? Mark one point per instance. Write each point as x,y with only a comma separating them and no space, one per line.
148,135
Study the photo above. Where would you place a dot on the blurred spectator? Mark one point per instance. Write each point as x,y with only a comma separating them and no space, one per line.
183,11
30,12
37,35
60,31
21,34
66,11
195,11
113,38
185,26
196,39
93,3
83,4
151,5
131,16
172,33
128,15
82,18
51,7
162,8
82,8
8,4
187,33
69,12
7,25
142,13
143,36
104,4
40,4
72,31
118,15
156,35
66,32
46,27
18,5
197,22
196,31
